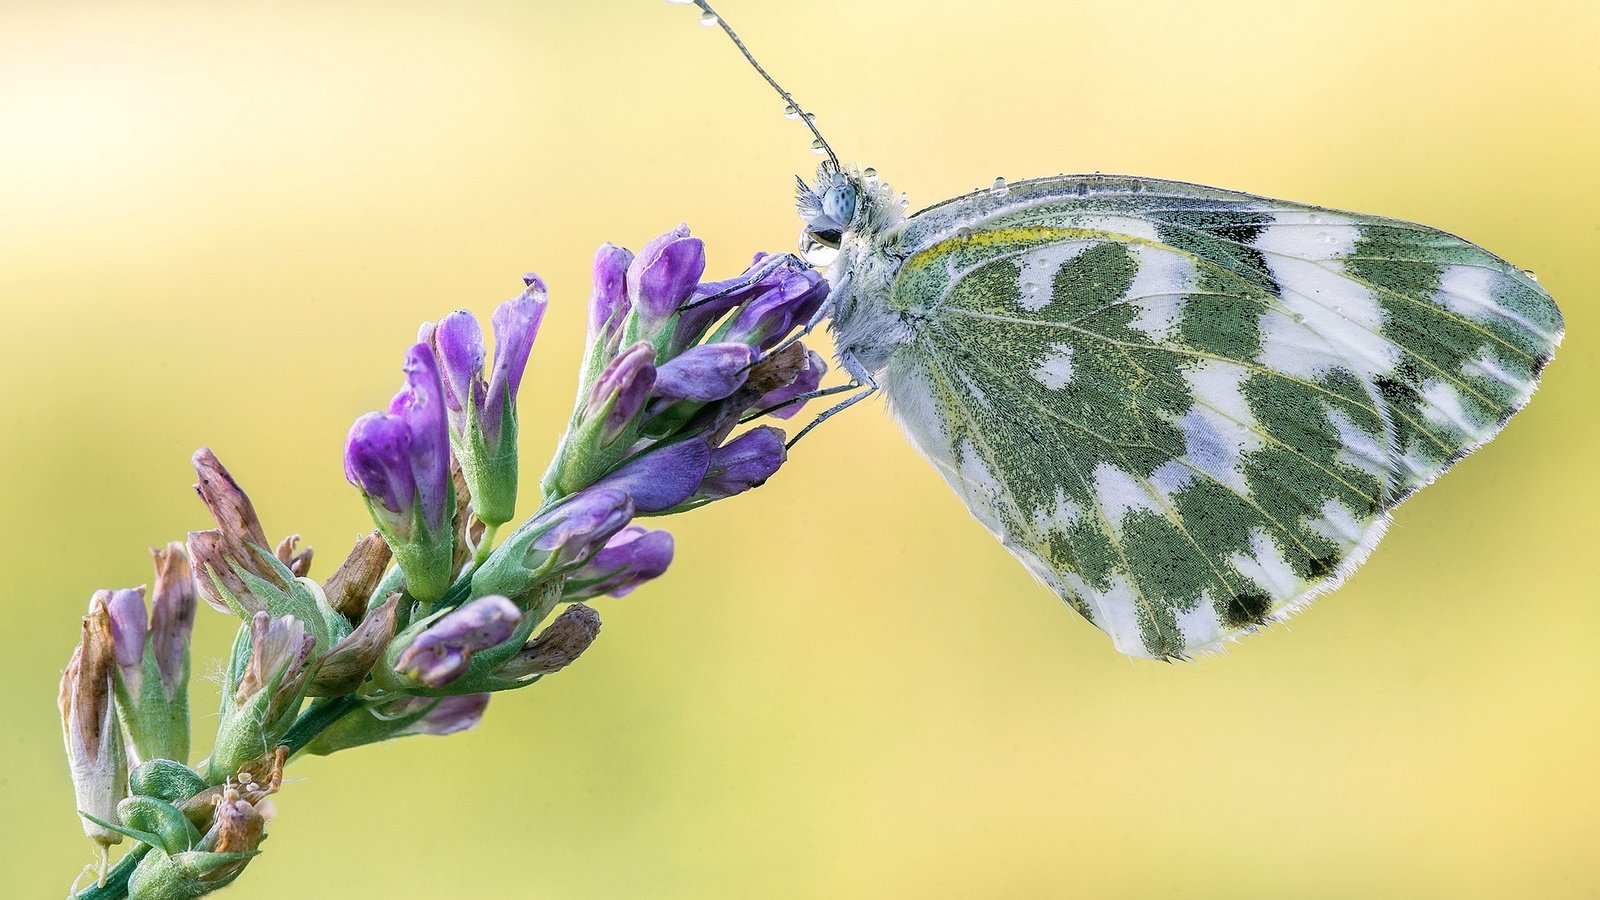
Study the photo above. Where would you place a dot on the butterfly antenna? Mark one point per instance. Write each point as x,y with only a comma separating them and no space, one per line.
793,106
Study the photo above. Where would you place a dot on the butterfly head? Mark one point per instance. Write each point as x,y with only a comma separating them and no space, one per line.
841,203
827,207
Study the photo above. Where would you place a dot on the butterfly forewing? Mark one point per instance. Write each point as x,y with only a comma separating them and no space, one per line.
1188,410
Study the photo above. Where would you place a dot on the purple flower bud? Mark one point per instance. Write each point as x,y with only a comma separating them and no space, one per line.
449,715
633,556
743,463
129,628
622,389
172,606
608,302
377,459
790,297
457,343
420,405
516,325
663,276
809,377
580,526
441,653
705,373
663,477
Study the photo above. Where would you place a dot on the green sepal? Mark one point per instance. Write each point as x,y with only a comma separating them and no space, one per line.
156,725
516,569
490,472
250,731
157,817
185,876
298,601
167,780
145,837
427,560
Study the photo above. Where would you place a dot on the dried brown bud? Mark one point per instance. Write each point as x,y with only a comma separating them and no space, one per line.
347,664
172,616
238,540
88,723
229,505
351,585
557,645
469,528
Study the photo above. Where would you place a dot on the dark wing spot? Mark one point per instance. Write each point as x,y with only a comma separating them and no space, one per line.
1246,609
1323,566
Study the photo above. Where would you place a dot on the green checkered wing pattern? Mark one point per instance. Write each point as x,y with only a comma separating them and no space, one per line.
1189,411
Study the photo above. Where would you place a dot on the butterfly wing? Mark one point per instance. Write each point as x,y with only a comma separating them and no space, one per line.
1189,411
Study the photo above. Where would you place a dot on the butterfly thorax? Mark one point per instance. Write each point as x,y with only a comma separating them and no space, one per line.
856,220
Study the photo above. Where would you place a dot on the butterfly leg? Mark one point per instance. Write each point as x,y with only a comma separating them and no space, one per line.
867,385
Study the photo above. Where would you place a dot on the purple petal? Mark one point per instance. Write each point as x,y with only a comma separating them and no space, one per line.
129,624
420,404
743,463
172,605
608,302
377,459
625,385
632,557
458,344
582,524
516,324
705,373
807,381
450,715
441,653
664,274
664,477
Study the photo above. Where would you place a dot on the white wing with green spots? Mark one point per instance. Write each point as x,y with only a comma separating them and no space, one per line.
1188,411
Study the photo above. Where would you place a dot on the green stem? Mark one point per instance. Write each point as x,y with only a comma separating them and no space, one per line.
319,715
485,545
115,886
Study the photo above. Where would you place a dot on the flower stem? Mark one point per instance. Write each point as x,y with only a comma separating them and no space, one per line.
319,715
485,545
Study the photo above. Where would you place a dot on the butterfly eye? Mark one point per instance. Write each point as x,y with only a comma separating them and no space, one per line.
839,204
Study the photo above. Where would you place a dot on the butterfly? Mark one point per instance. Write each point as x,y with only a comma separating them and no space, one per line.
1188,411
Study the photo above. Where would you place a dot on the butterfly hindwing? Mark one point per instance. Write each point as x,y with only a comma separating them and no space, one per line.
1189,411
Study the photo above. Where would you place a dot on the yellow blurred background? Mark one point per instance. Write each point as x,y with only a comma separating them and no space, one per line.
221,222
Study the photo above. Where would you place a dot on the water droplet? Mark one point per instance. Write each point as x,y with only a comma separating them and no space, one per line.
1298,319
816,253
963,232
817,148
999,188
1531,276
869,174
791,111
708,19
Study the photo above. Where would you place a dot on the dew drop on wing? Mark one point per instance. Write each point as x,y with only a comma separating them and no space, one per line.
999,188
869,174
708,19
817,148
1531,277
